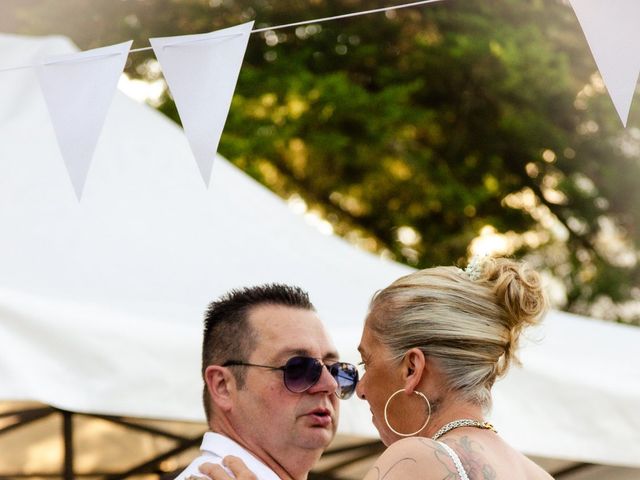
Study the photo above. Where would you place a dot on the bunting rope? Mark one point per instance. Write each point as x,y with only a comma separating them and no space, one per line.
288,25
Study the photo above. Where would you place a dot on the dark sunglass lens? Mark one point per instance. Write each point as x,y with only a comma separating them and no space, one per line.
301,373
347,377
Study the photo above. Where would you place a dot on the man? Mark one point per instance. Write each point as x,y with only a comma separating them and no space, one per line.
272,382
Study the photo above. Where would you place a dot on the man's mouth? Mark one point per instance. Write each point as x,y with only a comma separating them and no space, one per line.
320,417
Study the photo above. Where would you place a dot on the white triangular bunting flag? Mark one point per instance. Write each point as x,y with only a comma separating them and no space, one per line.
78,89
202,71
611,28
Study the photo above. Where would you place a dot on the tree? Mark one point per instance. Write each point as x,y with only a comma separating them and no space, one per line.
416,131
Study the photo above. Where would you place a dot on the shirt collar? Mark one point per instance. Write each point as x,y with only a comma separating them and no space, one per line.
222,446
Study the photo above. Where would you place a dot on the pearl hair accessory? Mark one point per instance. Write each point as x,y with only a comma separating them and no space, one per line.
476,266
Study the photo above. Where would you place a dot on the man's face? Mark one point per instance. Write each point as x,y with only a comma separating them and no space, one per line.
266,413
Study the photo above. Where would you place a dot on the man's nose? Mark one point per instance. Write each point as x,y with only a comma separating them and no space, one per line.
326,382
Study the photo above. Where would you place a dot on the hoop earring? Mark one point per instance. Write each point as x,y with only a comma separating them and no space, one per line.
386,419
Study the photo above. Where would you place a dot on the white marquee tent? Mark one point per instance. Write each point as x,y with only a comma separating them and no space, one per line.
101,300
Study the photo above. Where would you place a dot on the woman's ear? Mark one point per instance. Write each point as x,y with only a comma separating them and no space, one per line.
414,367
221,385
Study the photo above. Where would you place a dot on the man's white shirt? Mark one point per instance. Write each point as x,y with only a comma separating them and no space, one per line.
215,447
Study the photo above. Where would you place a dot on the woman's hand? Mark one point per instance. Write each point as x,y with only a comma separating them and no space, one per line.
235,464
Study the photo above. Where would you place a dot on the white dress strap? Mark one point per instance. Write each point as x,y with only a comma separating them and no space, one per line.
456,460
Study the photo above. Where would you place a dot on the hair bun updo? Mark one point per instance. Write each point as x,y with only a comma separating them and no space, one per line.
519,292
469,321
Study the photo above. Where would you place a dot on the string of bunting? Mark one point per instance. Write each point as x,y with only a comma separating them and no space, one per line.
287,25
202,70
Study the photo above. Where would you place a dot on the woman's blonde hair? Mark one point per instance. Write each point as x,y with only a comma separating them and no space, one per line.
470,320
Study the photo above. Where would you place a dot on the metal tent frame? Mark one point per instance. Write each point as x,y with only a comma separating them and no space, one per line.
331,466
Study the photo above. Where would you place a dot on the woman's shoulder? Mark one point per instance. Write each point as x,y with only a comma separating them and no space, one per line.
414,457
486,455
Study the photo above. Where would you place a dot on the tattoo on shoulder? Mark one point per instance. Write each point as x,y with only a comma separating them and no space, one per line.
442,457
469,451
473,460
381,476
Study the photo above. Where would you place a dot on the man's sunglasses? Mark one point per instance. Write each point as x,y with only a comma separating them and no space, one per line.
302,373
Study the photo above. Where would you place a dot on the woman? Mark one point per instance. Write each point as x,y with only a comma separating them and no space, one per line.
433,344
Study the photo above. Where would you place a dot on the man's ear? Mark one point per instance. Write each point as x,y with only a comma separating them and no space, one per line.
221,385
414,369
